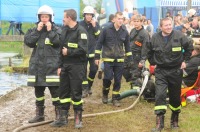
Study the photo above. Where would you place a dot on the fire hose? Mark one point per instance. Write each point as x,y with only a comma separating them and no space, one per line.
146,77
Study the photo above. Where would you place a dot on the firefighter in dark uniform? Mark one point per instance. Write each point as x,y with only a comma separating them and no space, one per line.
138,38
43,65
73,56
190,73
93,30
166,52
113,40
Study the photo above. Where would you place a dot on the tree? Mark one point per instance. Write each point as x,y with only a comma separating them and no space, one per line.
82,6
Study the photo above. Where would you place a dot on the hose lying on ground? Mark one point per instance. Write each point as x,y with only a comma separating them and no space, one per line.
146,77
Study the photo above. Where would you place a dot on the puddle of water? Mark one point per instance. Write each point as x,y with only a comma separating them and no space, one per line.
9,81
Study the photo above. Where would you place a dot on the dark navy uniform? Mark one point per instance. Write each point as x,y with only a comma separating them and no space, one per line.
167,53
112,43
93,34
72,66
190,73
138,38
43,63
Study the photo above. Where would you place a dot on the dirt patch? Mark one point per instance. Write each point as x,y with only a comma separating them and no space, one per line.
19,105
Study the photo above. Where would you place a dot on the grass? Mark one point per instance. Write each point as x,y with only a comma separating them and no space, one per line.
139,119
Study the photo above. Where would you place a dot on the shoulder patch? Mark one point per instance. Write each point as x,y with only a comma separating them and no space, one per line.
83,36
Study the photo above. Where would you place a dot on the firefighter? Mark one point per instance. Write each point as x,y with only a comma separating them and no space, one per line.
43,64
73,56
166,52
112,41
93,30
138,38
190,73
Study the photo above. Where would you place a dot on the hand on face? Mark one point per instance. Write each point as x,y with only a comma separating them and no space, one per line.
40,26
48,24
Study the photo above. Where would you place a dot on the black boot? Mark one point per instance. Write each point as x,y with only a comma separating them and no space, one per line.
62,119
159,123
78,119
115,100
174,120
105,95
90,87
39,115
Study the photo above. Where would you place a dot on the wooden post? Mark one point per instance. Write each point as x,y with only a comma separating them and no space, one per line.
10,62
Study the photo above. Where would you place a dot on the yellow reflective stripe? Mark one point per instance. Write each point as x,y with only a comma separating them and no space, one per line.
73,45
97,33
176,49
52,79
174,109
91,55
160,107
77,103
108,60
120,60
135,87
47,41
128,53
90,79
97,51
40,99
107,88
67,100
31,79
85,82
55,99
115,92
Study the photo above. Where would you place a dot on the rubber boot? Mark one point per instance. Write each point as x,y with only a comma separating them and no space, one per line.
62,119
89,87
105,92
39,115
85,91
115,100
159,123
78,119
174,120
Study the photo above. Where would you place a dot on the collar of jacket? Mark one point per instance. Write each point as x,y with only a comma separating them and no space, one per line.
113,27
68,28
170,35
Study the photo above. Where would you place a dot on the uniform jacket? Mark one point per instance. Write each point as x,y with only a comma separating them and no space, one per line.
170,54
43,63
93,34
112,43
191,70
75,40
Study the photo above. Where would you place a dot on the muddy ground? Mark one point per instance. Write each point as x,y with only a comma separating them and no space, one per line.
18,106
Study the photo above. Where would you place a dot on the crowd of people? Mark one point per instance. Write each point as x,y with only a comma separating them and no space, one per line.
120,48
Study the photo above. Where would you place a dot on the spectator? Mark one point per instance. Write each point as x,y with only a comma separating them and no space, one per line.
125,13
130,26
145,24
150,28
96,14
102,17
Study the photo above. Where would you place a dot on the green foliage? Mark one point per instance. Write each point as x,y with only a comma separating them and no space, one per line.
82,6
11,47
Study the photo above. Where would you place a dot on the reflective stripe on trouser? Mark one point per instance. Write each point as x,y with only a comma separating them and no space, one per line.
71,79
168,79
93,68
40,97
113,70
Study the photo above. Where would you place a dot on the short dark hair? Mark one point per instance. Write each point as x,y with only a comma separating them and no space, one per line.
118,13
111,17
71,13
165,19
